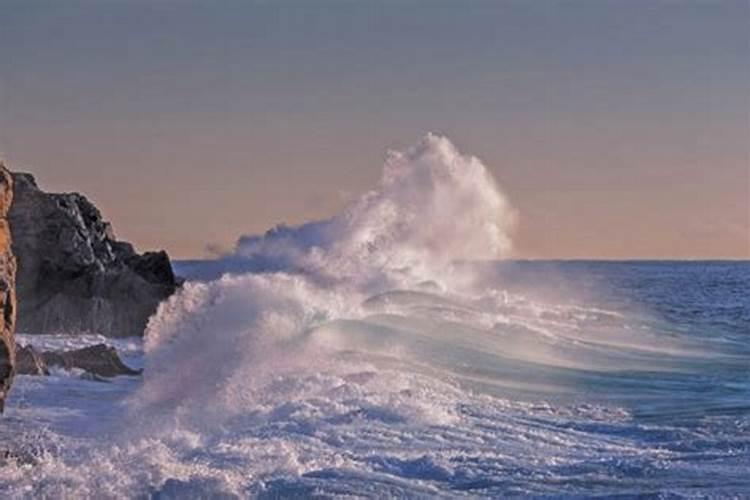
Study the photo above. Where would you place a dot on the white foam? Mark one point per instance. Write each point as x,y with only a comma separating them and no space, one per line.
366,363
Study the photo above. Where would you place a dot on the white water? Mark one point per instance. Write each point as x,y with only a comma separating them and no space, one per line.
369,362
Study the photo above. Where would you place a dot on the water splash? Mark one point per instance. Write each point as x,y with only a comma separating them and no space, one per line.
432,206
364,356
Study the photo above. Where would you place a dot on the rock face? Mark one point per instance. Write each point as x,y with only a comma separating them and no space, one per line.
7,288
73,274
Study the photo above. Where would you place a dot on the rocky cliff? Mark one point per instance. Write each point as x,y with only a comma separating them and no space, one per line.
7,288
73,274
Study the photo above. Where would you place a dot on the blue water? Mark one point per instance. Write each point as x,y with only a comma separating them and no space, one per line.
560,379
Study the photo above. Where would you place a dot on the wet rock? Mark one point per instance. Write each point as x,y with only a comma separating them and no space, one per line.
29,361
99,360
73,274
7,288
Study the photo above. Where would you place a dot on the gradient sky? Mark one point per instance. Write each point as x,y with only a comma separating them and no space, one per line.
618,129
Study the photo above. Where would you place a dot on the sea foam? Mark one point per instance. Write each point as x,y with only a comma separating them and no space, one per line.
368,354
432,207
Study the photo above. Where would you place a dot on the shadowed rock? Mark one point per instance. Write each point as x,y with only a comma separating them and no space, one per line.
100,360
73,274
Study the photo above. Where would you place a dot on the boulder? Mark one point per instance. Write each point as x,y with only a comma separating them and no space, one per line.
7,288
100,360
74,276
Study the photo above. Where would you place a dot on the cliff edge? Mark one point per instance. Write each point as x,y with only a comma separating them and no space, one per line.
73,274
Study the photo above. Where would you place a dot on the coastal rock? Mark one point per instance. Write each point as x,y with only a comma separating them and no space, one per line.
73,274
7,288
29,361
100,360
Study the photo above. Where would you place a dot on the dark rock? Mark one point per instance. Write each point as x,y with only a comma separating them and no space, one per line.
29,361
73,274
99,360
7,289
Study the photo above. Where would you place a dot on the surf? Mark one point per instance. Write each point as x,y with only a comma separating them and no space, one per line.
382,349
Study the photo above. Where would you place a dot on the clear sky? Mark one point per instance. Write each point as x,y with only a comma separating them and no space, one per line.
618,129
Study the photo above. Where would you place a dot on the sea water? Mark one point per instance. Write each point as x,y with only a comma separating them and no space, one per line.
386,353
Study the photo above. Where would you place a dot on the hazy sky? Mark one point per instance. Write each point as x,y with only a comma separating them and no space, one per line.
617,129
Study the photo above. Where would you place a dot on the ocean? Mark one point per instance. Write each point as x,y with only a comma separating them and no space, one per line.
395,351
572,379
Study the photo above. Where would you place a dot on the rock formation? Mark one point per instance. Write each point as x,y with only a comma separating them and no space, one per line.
7,288
73,274
99,360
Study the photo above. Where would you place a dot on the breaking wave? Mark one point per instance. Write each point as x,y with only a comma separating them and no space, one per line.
432,208
378,353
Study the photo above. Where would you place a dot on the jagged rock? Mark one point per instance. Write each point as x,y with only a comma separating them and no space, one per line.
73,274
99,360
7,288
29,361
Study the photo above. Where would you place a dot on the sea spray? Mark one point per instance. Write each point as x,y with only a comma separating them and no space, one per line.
432,207
380,285
369,355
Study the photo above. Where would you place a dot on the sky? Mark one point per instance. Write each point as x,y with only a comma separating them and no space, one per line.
618,129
